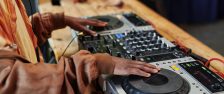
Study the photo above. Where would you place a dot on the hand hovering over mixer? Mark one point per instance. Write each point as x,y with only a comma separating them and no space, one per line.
93,64
48,22
114,65
106,64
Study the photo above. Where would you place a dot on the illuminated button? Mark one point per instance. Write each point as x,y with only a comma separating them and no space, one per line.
192,64
148,59
141,59
128,52
174,67
121,44
188,65
204,68
177,69
124,48
119,36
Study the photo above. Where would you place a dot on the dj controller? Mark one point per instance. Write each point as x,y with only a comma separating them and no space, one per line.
129,36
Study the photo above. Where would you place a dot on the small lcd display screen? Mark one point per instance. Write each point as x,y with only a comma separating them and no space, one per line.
204,75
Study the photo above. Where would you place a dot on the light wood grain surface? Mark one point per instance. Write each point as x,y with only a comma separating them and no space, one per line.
61,38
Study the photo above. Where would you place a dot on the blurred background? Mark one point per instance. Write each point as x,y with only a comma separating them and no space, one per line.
204,19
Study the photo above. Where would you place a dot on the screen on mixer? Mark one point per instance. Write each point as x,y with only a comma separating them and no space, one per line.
210,80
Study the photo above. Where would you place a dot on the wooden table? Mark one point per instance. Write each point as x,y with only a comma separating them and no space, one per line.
61,38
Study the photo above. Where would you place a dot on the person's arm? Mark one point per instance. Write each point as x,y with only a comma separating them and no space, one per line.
77,74
44,24
19,76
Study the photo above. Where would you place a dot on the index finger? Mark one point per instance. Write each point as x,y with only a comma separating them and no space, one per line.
146,64
94,22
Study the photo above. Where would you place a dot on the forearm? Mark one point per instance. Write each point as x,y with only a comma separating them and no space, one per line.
18,75
105,63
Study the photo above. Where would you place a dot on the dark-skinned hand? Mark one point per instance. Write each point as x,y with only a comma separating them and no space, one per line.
79,24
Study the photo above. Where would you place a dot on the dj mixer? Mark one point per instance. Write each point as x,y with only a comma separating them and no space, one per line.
129,36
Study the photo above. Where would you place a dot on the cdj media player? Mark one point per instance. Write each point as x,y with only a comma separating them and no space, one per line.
129,36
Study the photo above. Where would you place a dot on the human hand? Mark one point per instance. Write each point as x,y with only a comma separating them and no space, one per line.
119,66
79,24
130,67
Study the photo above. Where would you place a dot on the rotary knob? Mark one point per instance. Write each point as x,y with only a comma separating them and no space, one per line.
91,49
118,54
114,43
98,36
138,53
217,86
133,57
164,45
108,50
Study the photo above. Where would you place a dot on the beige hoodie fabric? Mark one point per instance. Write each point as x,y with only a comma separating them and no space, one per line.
20,73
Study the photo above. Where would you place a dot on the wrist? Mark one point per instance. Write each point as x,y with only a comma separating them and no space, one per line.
66,20
105,63
59,20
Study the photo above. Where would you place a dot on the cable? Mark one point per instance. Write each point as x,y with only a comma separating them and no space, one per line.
68,46
213,59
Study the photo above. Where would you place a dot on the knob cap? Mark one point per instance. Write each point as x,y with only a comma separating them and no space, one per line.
114,44
98,36
118,54
108,50
138,53
217,86
133,57
91,49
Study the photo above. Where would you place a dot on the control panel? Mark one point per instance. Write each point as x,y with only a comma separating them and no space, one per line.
129,36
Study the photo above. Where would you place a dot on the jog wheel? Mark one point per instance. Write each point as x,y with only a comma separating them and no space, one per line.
113,23
164,82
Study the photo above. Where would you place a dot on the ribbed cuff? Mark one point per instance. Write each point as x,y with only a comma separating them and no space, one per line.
58,20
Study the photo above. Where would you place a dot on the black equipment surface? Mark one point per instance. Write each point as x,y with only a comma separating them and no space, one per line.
165,82
142,45
209,79
136,20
